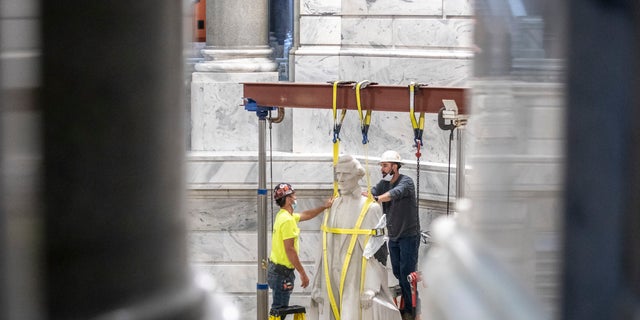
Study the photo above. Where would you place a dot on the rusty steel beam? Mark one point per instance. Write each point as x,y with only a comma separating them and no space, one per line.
373,97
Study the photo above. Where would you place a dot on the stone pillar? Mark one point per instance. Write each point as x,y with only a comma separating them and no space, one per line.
237,51
237,37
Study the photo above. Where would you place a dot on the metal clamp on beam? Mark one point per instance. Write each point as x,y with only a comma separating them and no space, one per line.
450,112
261,111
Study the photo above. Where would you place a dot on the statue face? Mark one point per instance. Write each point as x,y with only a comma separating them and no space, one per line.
347,180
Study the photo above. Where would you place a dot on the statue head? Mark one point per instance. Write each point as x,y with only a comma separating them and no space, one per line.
348,172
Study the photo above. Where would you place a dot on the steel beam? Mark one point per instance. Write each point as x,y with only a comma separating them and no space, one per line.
373,97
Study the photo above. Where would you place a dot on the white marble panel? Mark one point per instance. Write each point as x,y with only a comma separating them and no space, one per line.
224,246
367,31
233,174
441,72
392,7
204,169
458,8
320,7
320,30
218,116
315,67
423,32
238,213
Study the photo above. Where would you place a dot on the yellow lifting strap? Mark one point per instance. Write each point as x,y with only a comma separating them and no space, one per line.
354,237
337,125
364,125
418,127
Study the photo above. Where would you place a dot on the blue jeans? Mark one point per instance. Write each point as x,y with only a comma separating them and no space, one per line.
404,260
281,284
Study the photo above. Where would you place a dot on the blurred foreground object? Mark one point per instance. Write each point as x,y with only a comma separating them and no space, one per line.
466,282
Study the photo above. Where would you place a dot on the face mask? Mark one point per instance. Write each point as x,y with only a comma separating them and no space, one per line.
388,176
294,205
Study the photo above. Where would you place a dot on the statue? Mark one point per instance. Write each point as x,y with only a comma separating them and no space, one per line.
345,282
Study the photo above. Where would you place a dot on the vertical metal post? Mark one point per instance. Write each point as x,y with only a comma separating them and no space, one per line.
262,287
460,164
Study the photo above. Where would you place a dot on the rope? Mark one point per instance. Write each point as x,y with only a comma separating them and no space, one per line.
449,171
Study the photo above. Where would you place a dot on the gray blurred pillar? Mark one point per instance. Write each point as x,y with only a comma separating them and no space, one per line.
114,232
602,243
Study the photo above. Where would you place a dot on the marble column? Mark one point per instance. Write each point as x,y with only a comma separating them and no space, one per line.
237,51
237,37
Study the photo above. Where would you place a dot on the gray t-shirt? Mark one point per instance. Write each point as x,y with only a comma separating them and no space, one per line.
402,215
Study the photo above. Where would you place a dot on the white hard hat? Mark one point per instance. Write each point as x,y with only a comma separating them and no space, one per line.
391,156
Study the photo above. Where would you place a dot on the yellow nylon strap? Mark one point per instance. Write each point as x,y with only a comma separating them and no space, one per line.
336,143
366,171
348,231
364,121
332,299
352,244
414,123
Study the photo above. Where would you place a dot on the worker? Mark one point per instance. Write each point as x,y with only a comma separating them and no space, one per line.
284,259
355,295
397,194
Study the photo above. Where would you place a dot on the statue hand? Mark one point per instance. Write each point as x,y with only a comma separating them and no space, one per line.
366,299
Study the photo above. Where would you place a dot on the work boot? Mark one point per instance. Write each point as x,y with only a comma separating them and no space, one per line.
407,316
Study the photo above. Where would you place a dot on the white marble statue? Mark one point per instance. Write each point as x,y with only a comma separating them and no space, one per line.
343,248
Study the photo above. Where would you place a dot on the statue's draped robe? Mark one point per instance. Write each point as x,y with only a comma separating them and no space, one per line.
344,214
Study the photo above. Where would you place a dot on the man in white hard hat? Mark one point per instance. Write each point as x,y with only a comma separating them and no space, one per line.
397,195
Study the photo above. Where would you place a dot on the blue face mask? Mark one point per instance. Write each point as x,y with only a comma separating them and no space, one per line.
294,205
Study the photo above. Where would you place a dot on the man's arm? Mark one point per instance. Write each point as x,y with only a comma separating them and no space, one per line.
404,188
290,249
312,213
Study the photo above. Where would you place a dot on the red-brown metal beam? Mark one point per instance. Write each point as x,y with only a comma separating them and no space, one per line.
373,97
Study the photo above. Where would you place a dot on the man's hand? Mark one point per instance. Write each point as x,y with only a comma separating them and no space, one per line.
304,279
328,203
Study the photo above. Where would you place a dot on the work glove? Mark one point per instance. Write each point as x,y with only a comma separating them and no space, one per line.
366,299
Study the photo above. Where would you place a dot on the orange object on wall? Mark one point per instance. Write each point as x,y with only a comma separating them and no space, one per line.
200,20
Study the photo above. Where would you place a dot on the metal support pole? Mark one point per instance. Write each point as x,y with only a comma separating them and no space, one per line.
262,287
460,164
